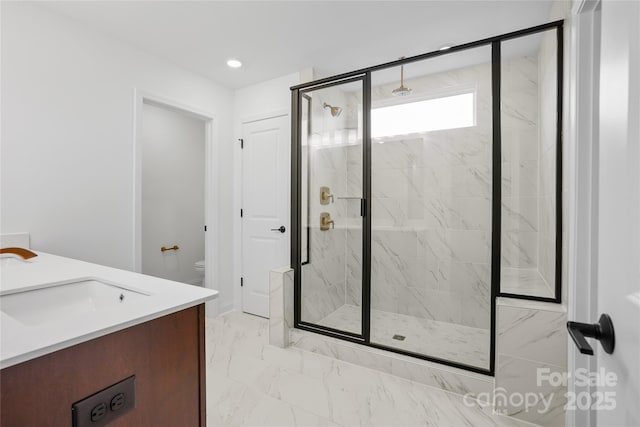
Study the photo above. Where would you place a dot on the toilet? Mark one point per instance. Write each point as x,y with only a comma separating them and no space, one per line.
200,269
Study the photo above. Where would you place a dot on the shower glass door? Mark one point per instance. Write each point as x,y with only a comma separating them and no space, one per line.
431,198
331,199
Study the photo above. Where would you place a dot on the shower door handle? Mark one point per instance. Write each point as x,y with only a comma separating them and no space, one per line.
280,229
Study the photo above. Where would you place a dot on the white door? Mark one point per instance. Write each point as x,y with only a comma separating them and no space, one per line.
615,398
619,206
265,208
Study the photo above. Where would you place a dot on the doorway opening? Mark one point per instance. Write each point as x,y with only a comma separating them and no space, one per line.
174,192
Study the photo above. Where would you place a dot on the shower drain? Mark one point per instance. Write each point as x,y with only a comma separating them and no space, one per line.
399,337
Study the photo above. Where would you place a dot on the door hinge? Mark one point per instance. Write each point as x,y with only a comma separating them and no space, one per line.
241,281
241,143
205,228
241,213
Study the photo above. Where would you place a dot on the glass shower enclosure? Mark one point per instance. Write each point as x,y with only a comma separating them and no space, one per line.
417,188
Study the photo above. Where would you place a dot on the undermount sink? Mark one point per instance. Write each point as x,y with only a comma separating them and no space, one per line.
66,300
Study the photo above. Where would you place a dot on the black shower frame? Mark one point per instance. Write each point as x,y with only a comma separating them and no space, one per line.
308,231
364,75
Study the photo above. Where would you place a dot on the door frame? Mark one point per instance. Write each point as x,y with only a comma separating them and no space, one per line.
211,196
239,199
582,190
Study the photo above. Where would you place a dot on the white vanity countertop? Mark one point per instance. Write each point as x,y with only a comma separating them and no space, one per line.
20,342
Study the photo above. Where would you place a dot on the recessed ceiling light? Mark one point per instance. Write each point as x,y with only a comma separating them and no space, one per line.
234,63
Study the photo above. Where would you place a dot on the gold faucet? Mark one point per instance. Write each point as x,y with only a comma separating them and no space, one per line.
326,221
325,196
22,253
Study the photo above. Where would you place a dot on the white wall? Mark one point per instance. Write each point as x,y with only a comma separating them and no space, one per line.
258,101
67,137
173,198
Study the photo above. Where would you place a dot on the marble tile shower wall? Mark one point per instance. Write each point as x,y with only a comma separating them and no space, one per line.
431,201
431,227
547,192
531,339
431,207
324,277
520,163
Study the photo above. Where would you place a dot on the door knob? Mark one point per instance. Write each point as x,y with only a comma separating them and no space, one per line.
602,331
280,229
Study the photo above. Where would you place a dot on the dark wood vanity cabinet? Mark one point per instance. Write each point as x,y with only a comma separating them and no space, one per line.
166,355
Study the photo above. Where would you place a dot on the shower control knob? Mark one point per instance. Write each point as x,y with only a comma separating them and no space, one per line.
280,229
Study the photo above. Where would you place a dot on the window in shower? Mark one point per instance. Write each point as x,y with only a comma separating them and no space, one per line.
418,116
423,189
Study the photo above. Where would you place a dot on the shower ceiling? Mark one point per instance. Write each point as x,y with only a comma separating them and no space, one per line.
275,38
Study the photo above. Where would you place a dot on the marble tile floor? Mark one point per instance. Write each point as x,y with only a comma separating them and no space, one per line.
444,340
251,383
524,281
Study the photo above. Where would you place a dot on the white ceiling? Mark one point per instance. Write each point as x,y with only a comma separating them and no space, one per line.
274,38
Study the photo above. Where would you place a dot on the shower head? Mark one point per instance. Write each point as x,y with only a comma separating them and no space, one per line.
402,90
335,111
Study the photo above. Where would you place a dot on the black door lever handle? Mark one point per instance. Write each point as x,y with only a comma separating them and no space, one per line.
602,331
280,229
